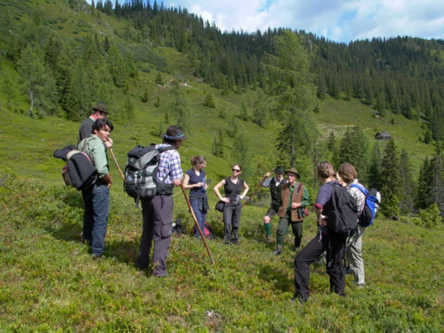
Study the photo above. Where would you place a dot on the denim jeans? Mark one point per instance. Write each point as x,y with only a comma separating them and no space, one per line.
196,204
95,218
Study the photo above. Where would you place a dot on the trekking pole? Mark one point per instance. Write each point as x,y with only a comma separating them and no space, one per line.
117,164
196,223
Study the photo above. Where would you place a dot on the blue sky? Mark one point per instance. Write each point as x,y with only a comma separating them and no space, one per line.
338,20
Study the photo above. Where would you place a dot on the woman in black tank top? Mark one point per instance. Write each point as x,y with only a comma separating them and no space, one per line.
235,190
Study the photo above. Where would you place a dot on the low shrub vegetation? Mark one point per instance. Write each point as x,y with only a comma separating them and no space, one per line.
50,283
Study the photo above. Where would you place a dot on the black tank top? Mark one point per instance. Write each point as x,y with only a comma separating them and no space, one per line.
232,190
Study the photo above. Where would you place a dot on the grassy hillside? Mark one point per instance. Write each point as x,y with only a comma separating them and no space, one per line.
48,281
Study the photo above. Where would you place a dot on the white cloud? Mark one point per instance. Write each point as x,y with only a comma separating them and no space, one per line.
340,20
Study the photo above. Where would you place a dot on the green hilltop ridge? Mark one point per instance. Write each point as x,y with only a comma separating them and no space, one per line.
236,105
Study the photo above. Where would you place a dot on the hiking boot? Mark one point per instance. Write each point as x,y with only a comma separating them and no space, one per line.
96,256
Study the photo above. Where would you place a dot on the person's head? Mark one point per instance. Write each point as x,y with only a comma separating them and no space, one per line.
174,136
99,111
347,172
292,175
236,169
102,128
279,171
198,162
325,170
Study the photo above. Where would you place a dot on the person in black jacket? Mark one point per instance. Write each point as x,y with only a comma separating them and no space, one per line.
235,190
275,185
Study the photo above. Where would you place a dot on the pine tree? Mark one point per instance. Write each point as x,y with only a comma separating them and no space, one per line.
391,180
331,143
353,149
209,101
374,171
407,193
244,112
39,84
145,98
424,191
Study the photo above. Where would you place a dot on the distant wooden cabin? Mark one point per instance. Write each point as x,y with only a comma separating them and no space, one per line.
382,136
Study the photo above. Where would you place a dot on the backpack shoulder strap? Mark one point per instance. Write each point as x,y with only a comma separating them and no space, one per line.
360,188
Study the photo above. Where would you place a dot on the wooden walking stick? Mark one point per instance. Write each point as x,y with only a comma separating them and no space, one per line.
196,223
117,164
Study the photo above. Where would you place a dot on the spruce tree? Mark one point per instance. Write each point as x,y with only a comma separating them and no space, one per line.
353,149
407,193
391,180
424,191
374,171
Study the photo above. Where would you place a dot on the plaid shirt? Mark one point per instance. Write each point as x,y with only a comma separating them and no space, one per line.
169,167
357,195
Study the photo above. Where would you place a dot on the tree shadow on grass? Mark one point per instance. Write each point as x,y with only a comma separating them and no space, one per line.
279,278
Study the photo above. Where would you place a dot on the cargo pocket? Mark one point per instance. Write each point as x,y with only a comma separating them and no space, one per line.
166,229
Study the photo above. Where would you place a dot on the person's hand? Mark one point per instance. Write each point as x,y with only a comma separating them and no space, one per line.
199,184
295,205
109,143
205,186
226,200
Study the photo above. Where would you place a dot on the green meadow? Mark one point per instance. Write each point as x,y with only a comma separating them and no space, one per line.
49,282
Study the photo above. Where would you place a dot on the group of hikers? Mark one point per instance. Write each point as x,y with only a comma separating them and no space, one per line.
289,201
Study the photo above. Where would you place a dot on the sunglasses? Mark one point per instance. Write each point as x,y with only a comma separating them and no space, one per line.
236,170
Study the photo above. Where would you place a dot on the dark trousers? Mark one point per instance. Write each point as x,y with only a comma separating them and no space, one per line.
157,226
95,218
282,231
197,205
335,246
232,215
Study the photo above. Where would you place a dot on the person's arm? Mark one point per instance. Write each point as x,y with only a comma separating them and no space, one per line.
305,198
176,169
216,190
246,188
187,185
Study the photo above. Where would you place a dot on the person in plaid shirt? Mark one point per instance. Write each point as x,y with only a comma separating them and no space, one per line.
353,254
158,210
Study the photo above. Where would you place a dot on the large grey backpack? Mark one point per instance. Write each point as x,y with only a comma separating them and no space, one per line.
140,173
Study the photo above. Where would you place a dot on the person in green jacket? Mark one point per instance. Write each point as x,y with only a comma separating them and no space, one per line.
295,198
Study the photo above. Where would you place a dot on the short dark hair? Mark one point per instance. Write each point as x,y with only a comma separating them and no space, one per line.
101,123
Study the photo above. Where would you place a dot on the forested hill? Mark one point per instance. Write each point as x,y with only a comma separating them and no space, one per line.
246,93
403,75
400,75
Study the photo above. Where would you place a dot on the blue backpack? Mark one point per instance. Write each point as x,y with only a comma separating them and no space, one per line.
372,201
